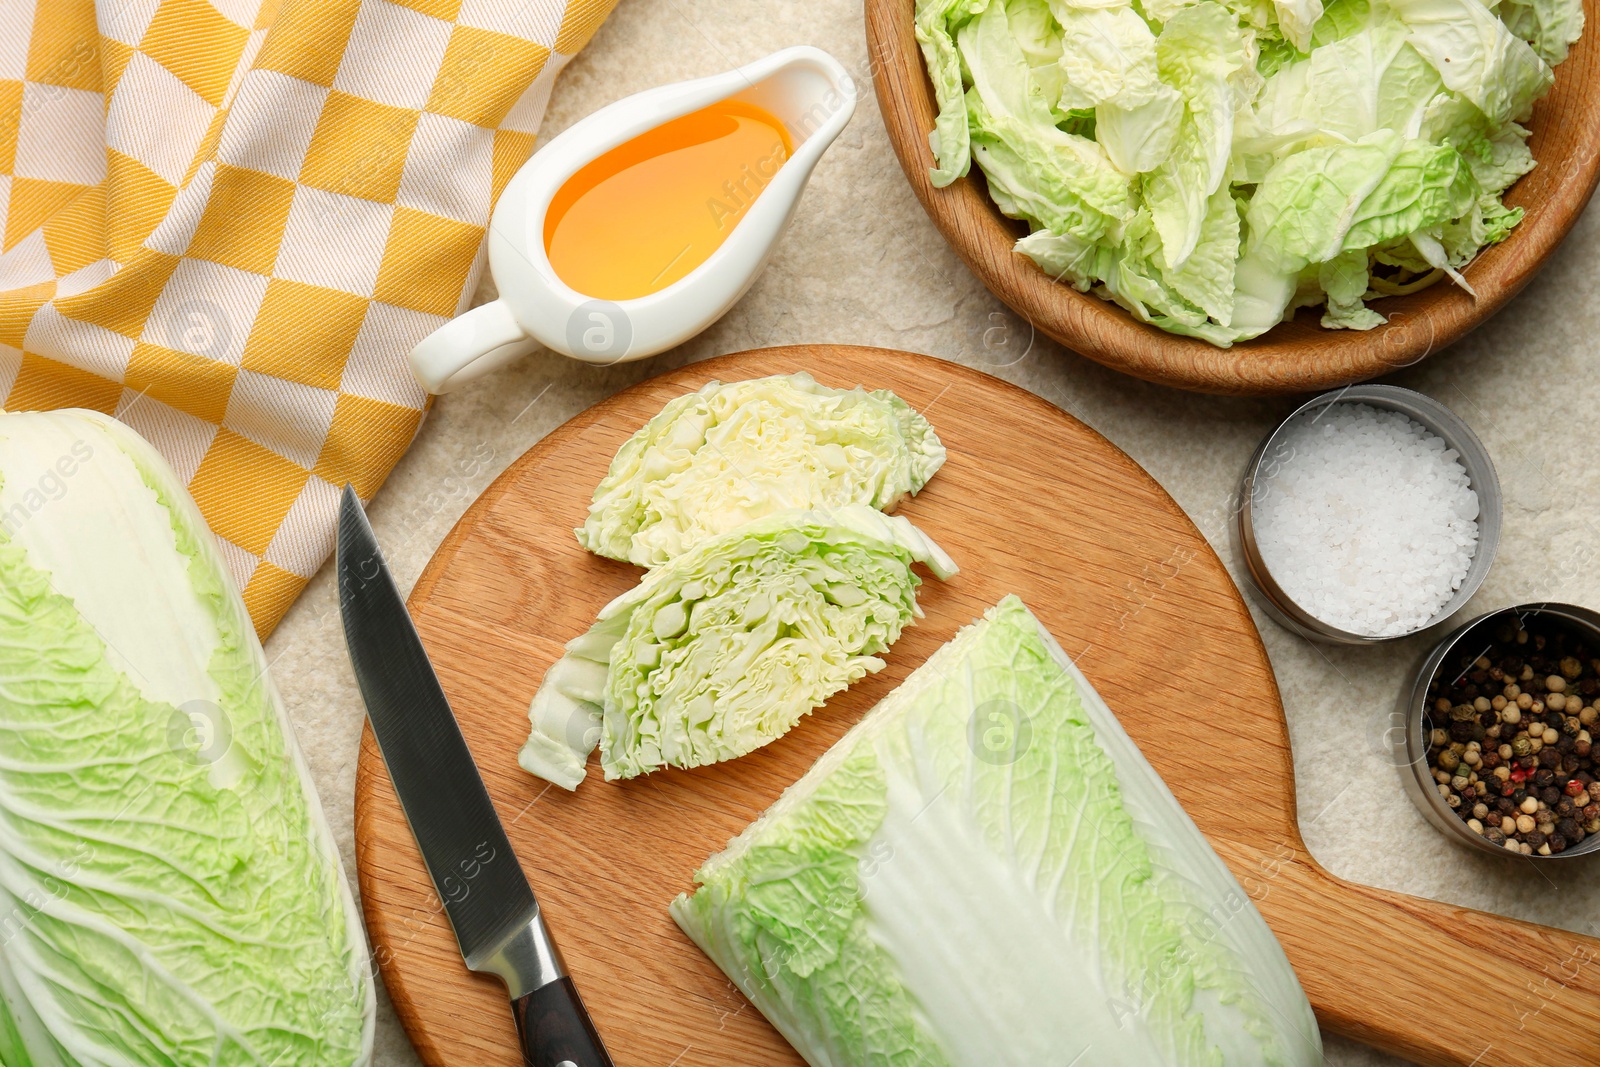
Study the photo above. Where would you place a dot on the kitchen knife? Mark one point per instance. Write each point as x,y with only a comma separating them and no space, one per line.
487,897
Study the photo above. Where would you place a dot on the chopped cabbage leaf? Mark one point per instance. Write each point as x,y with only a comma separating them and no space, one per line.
1477,56
1499,159
1370,80
1108,56
1139,139
1296,19
1344,278
734,452
948,139
1080,915
1550,26
1200,50
1304,207
1065,177
1425,186
725,648
1205,279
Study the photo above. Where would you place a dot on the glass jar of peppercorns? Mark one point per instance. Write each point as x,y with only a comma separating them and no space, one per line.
1499,747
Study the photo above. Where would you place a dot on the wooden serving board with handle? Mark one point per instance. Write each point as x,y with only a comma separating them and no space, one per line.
1031,502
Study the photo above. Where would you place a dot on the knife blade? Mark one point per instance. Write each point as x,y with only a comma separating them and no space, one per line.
486,895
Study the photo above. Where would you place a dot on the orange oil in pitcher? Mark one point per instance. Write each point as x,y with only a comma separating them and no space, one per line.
652,209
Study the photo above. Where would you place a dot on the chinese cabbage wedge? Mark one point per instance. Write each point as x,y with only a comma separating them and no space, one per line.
736,451
723,649
985,872
169,889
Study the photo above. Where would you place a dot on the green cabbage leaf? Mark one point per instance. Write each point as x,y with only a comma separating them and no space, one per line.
1550,26
1477,56
169,890
1036,168
730,453
724,648
985,871
1201,49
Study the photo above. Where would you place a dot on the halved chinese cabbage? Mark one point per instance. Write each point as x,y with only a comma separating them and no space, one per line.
169,890
723,649
985,872
733,452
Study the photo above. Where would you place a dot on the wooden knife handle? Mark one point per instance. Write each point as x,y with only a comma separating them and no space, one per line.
555,1029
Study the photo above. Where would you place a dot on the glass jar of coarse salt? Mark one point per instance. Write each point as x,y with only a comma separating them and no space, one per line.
1369,514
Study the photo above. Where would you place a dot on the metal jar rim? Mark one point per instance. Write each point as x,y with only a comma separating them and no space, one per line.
1410,744
1438,420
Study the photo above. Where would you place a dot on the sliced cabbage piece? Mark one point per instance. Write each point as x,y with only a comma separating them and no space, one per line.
1039,36
1199,52
985,872
1108,56
1307,203
1371,79
1041,171
1067,259
1499,159
169,889
1550,26
948,139
733,452
1295,20
1345,278
1139,139
1477,56
1426,186
1205,279
723,649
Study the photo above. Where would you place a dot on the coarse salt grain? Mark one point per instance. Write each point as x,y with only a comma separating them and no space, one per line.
1365,519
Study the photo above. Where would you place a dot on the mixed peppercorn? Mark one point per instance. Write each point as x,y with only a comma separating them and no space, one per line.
1510,740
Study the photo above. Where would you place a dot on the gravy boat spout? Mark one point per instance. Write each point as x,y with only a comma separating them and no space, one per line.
804,88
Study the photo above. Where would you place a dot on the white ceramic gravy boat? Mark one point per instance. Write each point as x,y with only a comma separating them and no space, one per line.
805,88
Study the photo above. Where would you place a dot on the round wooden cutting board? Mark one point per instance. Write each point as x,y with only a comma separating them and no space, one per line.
1031,502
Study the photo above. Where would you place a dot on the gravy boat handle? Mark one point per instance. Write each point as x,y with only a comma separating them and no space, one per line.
469,346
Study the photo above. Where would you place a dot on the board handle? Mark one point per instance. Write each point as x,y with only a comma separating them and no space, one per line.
1437,984
555,1029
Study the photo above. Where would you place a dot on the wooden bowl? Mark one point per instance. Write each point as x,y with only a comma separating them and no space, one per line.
1297,356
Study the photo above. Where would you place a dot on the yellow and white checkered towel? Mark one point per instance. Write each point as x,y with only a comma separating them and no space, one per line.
226,222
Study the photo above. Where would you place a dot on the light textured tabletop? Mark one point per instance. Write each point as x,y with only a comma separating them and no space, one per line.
863,265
